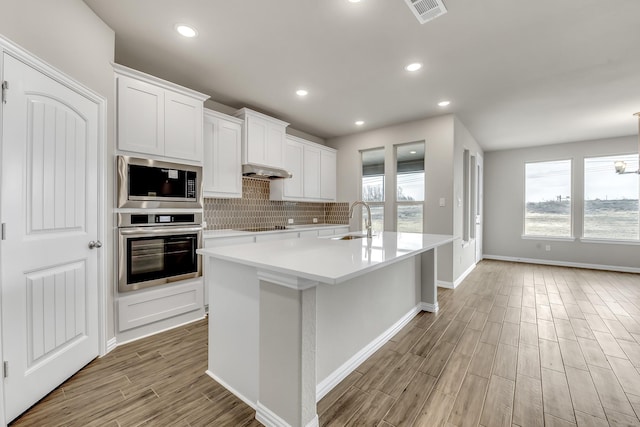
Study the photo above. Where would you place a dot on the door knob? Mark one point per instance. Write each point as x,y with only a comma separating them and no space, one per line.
96,244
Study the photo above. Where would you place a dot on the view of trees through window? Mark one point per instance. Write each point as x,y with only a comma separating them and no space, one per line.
548,199
611,200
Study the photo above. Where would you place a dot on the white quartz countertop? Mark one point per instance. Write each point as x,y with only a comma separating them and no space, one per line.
327,260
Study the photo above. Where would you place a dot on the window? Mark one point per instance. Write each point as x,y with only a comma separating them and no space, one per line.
410,187
373,187
611,200
548,199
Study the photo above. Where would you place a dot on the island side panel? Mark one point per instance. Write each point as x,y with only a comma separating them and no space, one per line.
234,298
287,356
429,279
353,314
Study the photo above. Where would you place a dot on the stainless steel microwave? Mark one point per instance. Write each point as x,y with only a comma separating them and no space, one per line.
146,183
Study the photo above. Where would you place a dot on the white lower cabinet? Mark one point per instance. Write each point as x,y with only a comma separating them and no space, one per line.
153,305
276,236
308,233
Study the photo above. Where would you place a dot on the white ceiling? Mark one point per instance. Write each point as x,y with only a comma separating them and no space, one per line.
518,73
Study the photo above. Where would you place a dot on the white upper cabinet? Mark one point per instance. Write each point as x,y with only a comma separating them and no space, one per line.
222,169
313,167
140,116
263,139
311,171
292,188
157,117
328,170
182,126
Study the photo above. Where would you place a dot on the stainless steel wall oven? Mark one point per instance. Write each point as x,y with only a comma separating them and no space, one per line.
146,183
157,248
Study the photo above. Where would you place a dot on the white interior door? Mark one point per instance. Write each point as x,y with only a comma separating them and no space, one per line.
479,196
49,205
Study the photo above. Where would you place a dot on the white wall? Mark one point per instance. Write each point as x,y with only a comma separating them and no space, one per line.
504,206
438,134
69,36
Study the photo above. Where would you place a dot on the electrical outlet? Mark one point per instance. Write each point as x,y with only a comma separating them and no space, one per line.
315,220
290,221
547,248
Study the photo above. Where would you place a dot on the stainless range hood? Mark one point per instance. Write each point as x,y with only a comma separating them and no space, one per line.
263,172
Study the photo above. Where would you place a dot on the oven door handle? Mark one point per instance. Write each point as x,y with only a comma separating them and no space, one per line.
150,231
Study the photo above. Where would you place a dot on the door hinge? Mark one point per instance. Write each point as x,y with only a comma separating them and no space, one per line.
5,369
4,232
5,89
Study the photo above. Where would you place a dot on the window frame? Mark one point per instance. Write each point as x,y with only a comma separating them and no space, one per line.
397,203
571,235
609,240
382,203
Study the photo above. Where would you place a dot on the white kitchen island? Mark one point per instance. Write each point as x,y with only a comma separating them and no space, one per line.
289,319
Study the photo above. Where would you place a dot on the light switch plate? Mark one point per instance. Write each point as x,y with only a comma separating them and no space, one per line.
442,202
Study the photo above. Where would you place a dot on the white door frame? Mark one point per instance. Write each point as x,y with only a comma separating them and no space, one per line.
479,200
60,77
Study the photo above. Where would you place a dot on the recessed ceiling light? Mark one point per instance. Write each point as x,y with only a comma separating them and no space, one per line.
302,92
444,103
186,30
359,122
413,67
355,1
412,152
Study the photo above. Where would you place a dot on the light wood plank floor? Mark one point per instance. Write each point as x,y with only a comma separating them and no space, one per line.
514,345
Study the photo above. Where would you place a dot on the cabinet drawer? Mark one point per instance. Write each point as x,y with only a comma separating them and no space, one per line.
150,306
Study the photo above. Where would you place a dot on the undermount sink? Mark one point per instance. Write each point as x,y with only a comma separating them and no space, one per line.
350,237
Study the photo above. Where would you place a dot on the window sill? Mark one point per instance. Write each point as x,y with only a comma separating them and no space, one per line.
610,241
559,239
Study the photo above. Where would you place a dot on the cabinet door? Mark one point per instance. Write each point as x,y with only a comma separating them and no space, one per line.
183,127
275,145
311,172
293,157
222,171
229,164
328,175
140,117
256,141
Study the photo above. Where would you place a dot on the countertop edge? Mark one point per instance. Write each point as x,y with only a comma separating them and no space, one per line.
331,280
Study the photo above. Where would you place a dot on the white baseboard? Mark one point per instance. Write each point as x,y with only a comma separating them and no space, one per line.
431,308
621,269
464,275
232,390
443,284
350,365
131,336
454,284
271,419
111,344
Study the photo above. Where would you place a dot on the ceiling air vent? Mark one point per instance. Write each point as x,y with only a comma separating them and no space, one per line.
426,10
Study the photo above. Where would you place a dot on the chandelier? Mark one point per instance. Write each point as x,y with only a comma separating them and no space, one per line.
622,166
